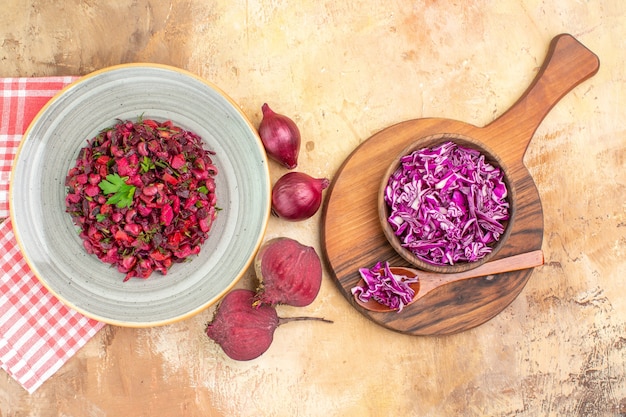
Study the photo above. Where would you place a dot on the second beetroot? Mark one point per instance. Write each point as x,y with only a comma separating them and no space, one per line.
245,331
288,272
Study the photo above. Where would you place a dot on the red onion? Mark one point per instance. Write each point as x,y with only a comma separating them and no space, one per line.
280,137
297,196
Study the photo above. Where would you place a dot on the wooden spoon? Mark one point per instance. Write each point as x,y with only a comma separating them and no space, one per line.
428,281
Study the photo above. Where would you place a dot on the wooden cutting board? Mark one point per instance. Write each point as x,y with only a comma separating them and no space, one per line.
352,236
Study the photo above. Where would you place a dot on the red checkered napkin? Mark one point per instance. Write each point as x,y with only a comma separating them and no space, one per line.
38,333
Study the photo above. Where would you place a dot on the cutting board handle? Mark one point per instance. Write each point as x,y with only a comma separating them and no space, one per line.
567,64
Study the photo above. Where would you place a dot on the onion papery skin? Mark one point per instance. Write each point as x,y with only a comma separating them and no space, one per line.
297,196
280,136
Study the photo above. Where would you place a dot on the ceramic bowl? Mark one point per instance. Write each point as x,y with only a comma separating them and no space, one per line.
48,238
383,208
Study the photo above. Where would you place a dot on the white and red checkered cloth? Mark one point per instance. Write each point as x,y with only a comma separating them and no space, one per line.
38,333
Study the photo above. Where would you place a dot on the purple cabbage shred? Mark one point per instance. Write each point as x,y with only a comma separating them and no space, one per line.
447,204
385,287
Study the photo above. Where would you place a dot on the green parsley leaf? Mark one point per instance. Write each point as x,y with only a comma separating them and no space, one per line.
122,193
147,164
161,164
112,183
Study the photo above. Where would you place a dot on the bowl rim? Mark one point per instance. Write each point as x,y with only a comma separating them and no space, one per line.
430,141
201,306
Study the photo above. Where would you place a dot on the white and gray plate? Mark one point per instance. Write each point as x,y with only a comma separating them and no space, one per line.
49,240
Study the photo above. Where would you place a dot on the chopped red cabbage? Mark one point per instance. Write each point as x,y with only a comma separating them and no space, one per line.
385,287
447,204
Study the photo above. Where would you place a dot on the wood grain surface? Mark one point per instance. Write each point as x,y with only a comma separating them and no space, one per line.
352,235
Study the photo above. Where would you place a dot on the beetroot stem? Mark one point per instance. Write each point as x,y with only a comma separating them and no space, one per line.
283,320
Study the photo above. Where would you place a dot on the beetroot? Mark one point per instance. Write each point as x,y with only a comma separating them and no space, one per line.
245,331
288,272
